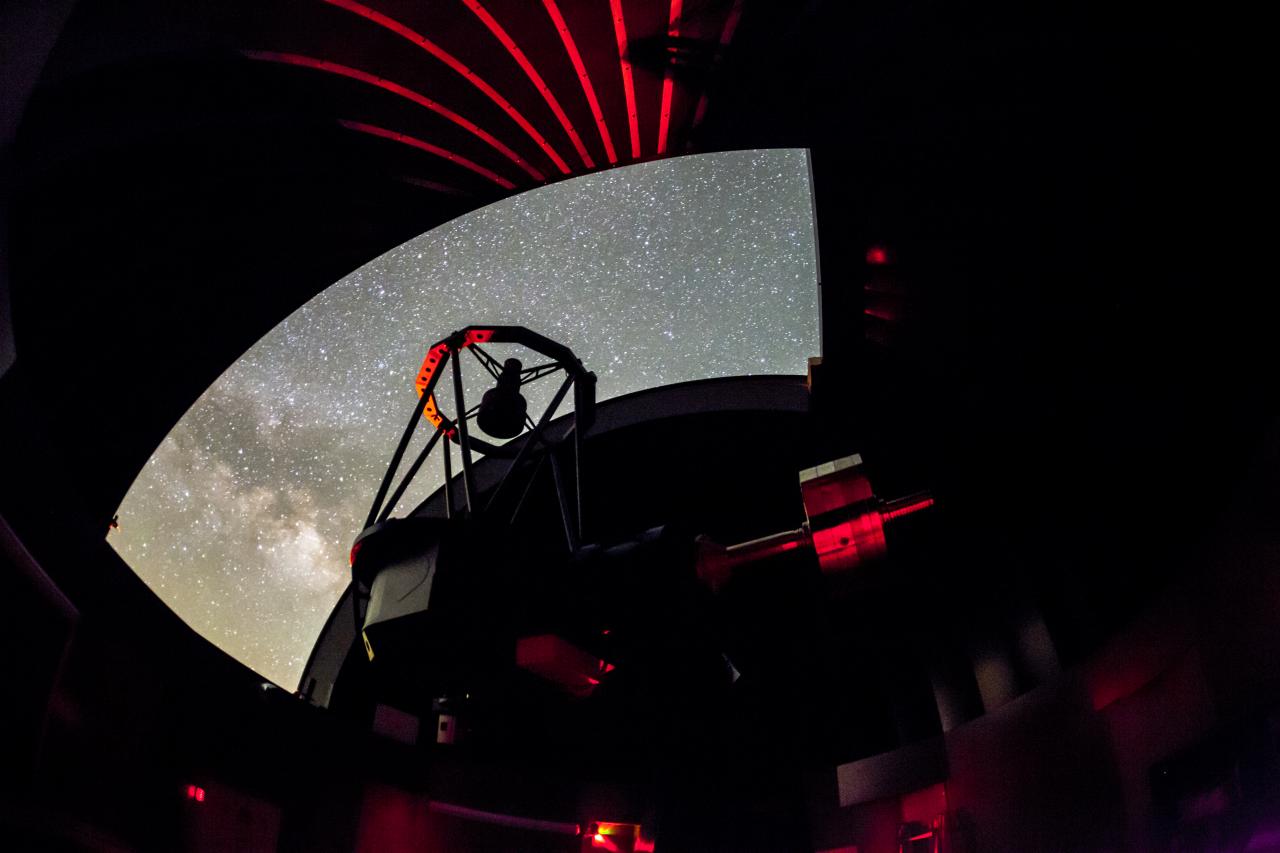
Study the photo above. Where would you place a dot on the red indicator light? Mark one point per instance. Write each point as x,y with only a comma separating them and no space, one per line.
355,549
194,792
877,256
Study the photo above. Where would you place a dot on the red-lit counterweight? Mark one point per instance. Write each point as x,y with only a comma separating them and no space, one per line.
844,527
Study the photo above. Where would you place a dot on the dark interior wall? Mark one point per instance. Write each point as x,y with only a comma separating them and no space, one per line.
28,30
1167,733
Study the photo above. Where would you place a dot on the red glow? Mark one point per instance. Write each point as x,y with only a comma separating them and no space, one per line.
628,85
195,792
477,336
457,65
560,662
405,139
355,549
726,36
664,121
608,835
434,186
850,543
877,256
575,57
430,363
922,836
534,77
915,506
396,89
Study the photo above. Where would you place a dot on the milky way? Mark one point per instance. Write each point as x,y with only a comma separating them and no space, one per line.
656,273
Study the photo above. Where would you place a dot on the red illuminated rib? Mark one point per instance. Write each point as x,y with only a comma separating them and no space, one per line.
382,132
590,91
396,89
434,186
457,65
664,122
532,73
726,36
628,85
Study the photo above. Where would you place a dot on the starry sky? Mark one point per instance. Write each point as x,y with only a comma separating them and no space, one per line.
654,273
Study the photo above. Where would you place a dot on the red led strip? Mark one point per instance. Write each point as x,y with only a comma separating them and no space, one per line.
664,122
590,91
395,89
382,132
726,36
628,85
457,65
532,73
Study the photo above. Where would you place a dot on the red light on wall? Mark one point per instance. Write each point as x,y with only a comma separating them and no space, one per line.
458,66
396,89
534,77
195,792
877,256
421,145
726,36
664,119
571,47
628,84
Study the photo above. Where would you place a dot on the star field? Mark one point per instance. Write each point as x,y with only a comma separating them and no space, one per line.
656,273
